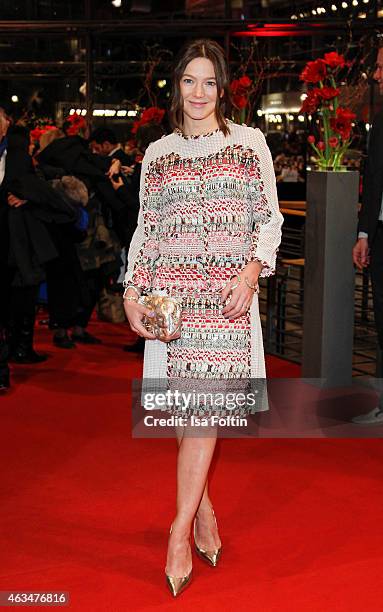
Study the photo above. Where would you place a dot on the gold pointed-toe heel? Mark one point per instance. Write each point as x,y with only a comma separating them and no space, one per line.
177,584
210,556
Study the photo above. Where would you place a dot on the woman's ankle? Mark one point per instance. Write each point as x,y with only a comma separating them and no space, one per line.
204,508
181,527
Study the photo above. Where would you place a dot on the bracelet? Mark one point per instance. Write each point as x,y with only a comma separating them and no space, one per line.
130,298
254,287
130,286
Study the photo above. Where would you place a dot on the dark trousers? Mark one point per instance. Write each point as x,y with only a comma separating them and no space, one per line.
90,295
64,288
376,270
72,293
17,315
4,323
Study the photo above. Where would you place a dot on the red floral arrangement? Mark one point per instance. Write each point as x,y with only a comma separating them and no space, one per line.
77,123
240,91
149,115
335,129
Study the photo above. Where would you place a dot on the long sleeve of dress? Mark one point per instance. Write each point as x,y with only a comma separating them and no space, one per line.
267,218
144,249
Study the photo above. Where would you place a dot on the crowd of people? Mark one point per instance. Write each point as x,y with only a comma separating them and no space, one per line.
289,169
68,210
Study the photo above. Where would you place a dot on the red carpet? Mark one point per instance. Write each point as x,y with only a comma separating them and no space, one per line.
86,509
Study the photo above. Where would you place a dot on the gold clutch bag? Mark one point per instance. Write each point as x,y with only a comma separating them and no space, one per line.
166,322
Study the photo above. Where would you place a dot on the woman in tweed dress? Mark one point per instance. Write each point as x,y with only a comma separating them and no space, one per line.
209,227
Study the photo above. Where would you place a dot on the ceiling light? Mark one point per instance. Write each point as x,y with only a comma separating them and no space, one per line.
334,7
117,3
15,98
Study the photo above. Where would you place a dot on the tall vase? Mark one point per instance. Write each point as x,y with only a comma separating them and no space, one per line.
328,318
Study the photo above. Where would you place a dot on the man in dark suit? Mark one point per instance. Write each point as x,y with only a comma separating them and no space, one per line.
368,250
4,369
103,141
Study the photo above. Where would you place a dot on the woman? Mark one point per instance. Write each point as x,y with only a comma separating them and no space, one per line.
209,226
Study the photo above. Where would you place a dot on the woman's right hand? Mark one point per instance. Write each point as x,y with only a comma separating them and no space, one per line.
135,313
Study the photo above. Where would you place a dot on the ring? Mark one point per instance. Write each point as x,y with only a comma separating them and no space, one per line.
237,283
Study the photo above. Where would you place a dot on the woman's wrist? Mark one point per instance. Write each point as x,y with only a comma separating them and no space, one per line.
252,271
130,292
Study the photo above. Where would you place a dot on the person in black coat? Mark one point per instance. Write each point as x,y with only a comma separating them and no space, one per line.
25,249
368,250
72,155
28,206
4,245
130,195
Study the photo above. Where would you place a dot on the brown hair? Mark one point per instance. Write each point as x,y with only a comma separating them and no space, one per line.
214,52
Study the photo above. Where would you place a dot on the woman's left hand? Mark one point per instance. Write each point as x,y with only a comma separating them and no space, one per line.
241,295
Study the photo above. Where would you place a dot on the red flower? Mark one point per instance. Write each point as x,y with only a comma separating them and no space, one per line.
77,123
328,93
35,134
341,124
314,72
240,101
234,85
333,141
334,60
239,89
311,139
321,145
149,115
245,81
311,102
152,115
240,85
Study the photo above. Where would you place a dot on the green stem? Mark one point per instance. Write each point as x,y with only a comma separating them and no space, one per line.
335,101
326,130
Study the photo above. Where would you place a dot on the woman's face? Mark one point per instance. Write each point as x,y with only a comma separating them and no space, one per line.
198,88
4,124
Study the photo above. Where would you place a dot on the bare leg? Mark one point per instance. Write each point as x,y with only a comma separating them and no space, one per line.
207,536
206,528
194,458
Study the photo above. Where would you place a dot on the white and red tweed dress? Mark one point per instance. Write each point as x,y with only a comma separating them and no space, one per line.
208,206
